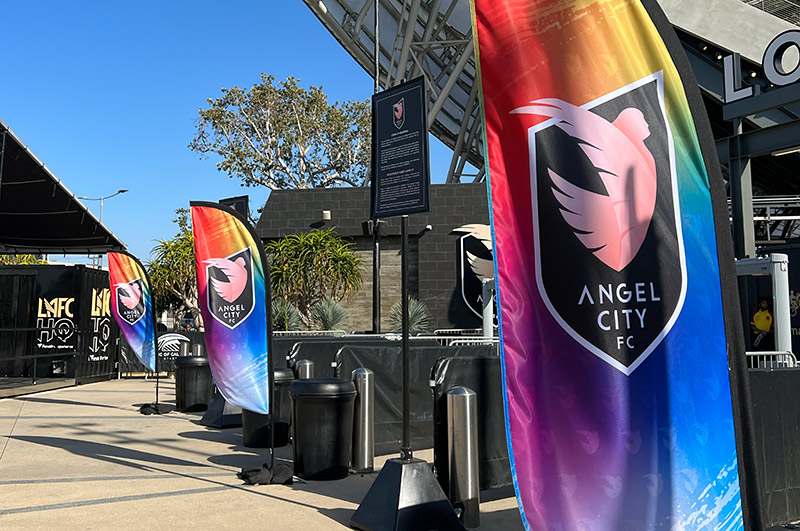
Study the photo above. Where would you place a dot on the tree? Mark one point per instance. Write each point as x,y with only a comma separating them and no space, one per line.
20,259
284,136
306,267
172,271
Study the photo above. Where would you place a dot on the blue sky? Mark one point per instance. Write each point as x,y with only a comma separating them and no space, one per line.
106,94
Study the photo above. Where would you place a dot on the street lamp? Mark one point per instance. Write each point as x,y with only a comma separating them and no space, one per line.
102,199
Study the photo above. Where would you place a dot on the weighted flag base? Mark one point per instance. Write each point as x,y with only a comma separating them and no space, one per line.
221,414
277,475
405,497
150,409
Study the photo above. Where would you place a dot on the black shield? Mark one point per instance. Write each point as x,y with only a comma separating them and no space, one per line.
619,315
399,113
232,312
470,252
131,293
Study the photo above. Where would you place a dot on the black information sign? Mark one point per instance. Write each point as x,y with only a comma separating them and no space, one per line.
401,176
240,203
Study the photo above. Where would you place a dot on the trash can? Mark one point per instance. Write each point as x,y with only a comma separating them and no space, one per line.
194,385
323,427
255,426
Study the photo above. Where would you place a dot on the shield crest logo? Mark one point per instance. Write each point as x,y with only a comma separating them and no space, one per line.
474,264
399,113
610,261
231,293
130,302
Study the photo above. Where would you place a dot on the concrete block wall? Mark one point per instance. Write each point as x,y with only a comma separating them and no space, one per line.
434,272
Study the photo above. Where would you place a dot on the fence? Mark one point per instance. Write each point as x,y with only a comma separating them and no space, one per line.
771,360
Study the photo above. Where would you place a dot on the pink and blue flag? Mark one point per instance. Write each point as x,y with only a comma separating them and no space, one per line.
614,331
232,296
132,305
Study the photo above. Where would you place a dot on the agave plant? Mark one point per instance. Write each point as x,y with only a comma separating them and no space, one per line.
285,317
327,314
418,316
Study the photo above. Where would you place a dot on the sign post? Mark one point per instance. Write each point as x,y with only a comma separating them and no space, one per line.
405,493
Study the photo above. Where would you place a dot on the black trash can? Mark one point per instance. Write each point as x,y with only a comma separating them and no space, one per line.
255,426
323,427
194,385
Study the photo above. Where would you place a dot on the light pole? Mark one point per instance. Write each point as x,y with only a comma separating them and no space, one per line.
102,200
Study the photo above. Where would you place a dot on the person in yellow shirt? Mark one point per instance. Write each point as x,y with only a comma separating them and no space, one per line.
761,324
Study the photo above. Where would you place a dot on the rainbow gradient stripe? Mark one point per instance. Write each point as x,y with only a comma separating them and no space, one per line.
591,447
237,356
122,269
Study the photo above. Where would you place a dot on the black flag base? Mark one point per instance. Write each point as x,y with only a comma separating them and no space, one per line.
221,414
150,409
277,475
405,497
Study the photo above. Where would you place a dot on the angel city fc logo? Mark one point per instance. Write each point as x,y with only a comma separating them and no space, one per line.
399,113
130,302
474,263
609,250
230,288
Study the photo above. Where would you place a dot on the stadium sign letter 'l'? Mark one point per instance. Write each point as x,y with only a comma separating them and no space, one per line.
618,400
132,305
232,295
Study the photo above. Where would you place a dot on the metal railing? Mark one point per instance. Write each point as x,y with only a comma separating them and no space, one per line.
473,341
309,333
771,360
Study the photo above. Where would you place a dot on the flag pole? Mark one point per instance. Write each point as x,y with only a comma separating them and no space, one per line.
155,331
270,362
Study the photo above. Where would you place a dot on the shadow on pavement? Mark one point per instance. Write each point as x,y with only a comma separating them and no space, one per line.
106,452
59,401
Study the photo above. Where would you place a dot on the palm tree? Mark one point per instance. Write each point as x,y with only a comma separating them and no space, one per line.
308,266
172,272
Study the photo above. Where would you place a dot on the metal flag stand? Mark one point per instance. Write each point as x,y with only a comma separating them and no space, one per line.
405,496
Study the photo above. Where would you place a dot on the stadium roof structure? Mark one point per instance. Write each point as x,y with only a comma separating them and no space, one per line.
434,38
436,43
38,214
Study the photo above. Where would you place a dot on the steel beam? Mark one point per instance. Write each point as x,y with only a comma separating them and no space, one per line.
762,141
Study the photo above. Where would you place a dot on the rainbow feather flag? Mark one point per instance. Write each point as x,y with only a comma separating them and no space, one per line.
613,324
132,305
232,295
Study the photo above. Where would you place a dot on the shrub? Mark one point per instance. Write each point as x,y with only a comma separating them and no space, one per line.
418,316
327,314
285,317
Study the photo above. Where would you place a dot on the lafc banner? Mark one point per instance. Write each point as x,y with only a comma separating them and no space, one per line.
618,399
232,296
132,305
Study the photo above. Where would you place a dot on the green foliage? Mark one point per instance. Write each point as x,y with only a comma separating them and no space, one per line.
284,136
306,267
327,314
172,271
285,316
418,316
20,259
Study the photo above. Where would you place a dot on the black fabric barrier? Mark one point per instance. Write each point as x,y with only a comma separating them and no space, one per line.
168,347
387,364
776,415
484,376
323,353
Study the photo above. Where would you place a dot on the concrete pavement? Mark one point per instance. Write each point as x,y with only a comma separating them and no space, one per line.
85,458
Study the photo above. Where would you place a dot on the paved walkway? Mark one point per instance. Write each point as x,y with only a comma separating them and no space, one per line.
85,458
